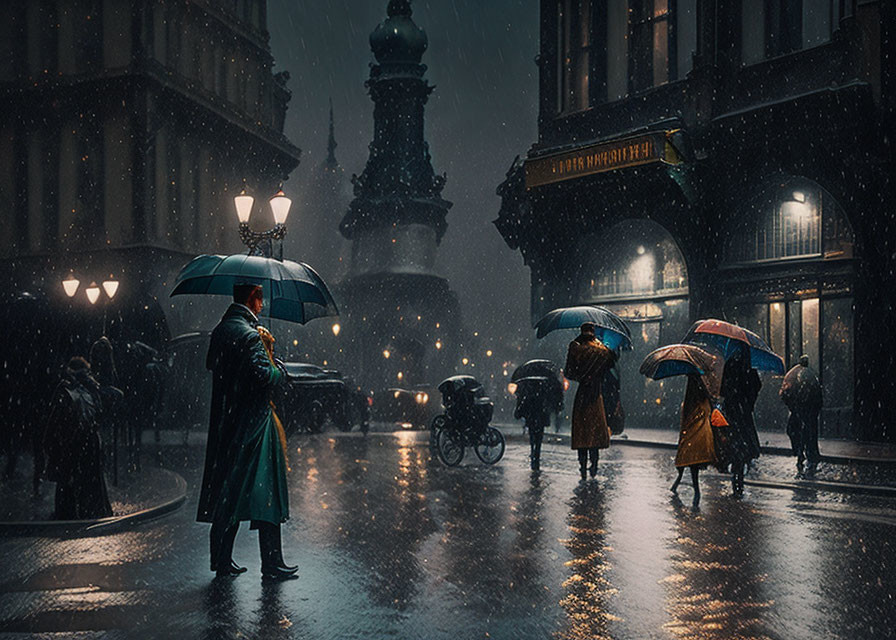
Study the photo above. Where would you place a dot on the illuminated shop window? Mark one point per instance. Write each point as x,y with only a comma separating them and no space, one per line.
797,219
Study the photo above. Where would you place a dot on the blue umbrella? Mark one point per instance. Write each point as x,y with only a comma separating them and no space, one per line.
609,328
728,338
295,292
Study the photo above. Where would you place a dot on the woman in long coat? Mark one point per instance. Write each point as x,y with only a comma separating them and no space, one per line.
587,360
695,443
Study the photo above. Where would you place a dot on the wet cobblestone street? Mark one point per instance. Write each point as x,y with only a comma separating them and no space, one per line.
392,544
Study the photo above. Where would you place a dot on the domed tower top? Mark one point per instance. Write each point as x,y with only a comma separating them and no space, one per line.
398,38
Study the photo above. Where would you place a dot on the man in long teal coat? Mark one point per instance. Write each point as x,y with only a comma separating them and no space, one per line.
245,461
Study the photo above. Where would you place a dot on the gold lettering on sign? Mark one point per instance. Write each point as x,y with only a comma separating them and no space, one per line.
607,156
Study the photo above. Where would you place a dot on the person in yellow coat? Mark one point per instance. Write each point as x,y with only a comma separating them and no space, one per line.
695,440
587,361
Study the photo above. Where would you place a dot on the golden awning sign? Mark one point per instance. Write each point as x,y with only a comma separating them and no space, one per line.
598,158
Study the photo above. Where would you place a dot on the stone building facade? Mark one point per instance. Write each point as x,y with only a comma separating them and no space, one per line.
127,128
720,158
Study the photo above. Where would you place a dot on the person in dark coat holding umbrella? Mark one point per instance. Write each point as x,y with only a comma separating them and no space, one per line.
740,388
801,392
245,464
536,398
587,361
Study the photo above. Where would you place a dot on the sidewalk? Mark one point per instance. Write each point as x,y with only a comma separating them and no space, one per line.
139,496
774,443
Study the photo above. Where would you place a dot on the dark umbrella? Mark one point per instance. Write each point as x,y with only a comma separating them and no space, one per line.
295,291
685,359
536,368
726,337
609,328
458,383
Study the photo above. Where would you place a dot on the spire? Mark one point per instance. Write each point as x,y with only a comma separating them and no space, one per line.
399,8
331,142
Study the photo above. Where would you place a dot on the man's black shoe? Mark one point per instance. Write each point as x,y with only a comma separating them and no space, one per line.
236,569
279,573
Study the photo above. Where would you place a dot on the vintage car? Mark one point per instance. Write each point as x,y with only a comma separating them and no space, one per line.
314,397
411,408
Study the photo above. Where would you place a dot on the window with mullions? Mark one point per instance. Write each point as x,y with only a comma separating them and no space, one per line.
574,59
662,41
798,219
773,28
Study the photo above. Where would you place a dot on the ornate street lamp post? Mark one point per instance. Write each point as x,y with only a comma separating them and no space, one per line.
260,243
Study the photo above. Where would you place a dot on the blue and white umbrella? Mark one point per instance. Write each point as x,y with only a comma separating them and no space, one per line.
609,328
293,291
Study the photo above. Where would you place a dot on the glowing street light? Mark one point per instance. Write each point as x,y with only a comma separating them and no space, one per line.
280,205
336,329
93,292
386,354
110,286
70,285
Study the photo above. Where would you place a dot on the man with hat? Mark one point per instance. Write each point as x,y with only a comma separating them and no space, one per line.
245,459
587,361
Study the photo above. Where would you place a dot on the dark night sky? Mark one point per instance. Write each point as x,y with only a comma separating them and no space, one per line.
482,114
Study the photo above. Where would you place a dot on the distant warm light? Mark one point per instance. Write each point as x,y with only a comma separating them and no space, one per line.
396,394
280,206
243,204
295,343
336,329
438,325
70,285
465,361
641,250
565,384
511,388
489,353
799,196
658,401
776,306
325,363
93,293
386,354
438,344
110,286
400,375
505,372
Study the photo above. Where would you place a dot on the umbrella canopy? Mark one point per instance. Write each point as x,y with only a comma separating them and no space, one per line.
685,359
609,328
295,291
726,337
457,383
536,368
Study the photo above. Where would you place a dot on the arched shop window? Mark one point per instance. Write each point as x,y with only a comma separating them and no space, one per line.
792,219
781,252
644,263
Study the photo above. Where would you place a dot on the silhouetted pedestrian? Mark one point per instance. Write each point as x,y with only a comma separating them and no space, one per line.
73,446
740,388
801,393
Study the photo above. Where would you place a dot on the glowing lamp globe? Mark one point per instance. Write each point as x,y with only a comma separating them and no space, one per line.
110,286
280,206
70,286
243,204
93,292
